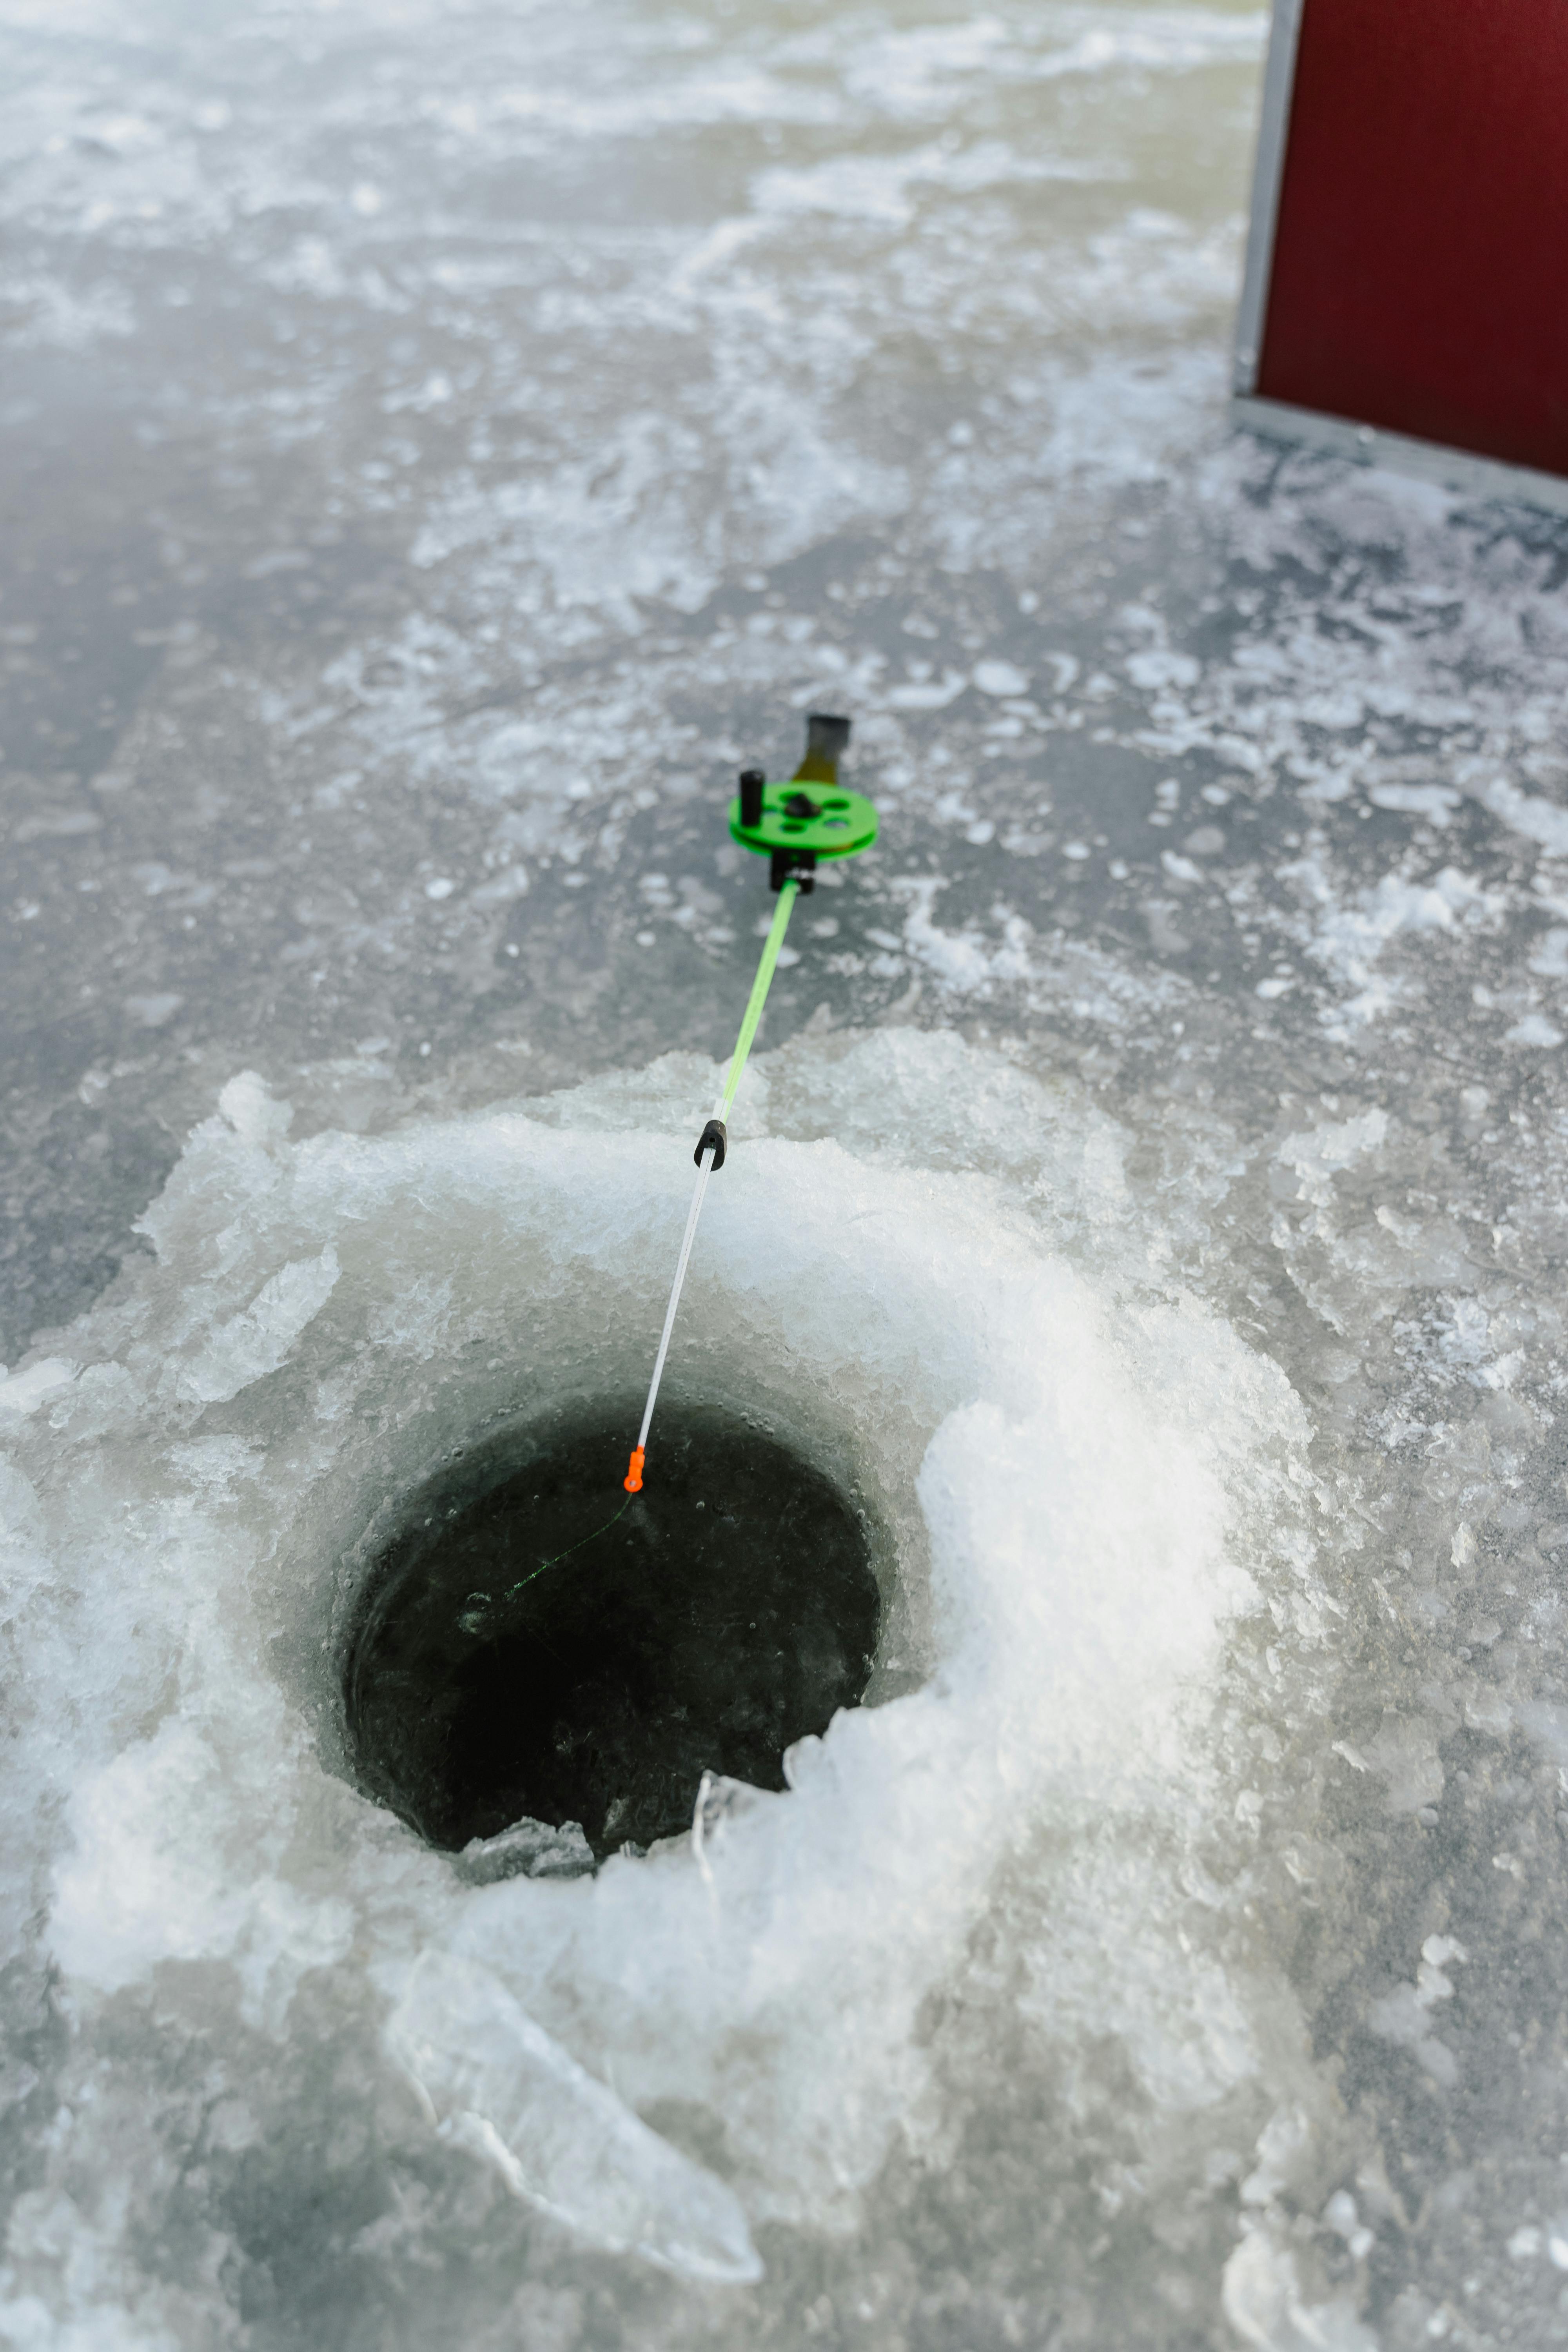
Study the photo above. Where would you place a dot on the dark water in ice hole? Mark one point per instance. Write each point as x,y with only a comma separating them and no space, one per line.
729,1611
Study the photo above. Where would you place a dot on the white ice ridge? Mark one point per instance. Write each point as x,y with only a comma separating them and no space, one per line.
931,1277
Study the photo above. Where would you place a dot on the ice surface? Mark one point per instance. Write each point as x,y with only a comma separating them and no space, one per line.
441,444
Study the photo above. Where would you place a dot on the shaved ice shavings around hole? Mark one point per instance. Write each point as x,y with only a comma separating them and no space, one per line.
1067,1469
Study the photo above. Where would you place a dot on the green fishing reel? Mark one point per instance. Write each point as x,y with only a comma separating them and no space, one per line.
811,816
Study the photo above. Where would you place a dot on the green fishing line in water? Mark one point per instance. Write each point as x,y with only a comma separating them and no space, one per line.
481,1618
524,1581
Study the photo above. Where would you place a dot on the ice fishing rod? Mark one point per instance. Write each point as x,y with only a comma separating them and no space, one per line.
791,826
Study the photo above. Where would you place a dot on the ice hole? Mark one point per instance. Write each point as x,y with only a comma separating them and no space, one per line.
723,1613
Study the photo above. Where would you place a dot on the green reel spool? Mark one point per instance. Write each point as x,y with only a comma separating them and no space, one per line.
839,822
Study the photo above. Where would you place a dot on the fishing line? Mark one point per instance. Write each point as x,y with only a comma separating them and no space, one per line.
524,1581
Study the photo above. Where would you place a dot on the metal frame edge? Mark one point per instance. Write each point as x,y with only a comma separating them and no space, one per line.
1274,121
1426,461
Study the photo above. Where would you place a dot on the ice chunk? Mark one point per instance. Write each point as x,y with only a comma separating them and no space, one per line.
1323,1152
1405,2015
253,1111
256,1342
25,1391
495,2082
1264,2303
1532,1029
1405,1753
526,1850
1000,677
1546,1724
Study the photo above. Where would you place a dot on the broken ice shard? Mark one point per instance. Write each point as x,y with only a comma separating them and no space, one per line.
495,2082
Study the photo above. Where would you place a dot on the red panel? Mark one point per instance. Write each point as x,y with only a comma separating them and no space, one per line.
1420,271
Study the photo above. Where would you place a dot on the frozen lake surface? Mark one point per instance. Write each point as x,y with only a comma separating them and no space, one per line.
439,443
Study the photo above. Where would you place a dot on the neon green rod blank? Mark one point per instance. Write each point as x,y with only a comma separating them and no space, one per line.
789,892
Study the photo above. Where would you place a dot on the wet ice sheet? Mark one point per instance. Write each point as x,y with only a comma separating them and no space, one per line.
417,374
437,451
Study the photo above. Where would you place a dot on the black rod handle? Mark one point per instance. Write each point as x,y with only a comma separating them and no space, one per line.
752,782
